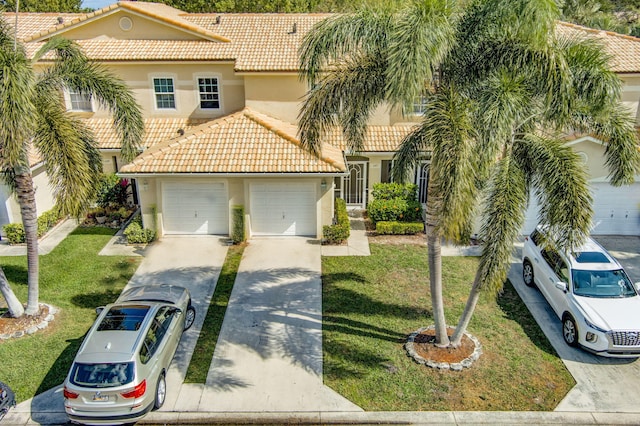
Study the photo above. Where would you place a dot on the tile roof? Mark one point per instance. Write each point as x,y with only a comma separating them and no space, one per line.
258,42
624,49
156,130
244,142
377,138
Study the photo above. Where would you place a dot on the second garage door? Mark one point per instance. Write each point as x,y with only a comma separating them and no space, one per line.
195,208
279,208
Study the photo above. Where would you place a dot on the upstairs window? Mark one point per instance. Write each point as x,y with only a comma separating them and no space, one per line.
79,101
419,105
209,92
165,93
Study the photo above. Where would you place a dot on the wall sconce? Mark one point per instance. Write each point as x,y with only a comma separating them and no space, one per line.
323,184
145,185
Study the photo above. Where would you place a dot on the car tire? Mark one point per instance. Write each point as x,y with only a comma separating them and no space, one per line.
569,331
189,317
527,274
161,392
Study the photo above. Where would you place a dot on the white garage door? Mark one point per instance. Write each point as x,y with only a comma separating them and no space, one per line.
195,208
283,208
616,210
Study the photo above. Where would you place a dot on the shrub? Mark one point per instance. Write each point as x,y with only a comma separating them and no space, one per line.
136,234
394,202
14,233
112,191
47,220
388,191
238,232
340,231
399,228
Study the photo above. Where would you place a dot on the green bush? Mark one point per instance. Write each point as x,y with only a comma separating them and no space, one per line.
112,191
389,191
136,234
340,231
399,228
47,220
238,232
14,233
394,202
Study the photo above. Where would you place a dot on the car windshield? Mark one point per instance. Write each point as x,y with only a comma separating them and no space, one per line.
102,375
602,284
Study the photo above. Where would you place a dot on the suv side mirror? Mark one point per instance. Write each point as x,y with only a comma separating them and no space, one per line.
561,286
99,310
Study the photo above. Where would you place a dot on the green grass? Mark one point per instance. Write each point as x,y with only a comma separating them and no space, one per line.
371,304
76,280
202,354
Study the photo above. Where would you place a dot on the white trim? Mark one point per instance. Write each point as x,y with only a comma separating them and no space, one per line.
174,80
586,138
68,104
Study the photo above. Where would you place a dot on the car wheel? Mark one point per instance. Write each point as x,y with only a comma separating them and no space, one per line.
189,317
527,273
569,331
161,392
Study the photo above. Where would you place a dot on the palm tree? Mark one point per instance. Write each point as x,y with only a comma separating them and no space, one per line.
34,119
501,88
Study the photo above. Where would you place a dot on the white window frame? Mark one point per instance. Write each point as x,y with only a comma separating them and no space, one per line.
155,94
197,78
418,105
68,93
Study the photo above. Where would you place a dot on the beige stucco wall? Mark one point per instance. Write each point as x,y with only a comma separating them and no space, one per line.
143,28
278,95
592,152
44,198
631,93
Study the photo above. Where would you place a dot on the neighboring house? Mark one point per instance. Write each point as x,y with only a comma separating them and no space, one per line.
221,97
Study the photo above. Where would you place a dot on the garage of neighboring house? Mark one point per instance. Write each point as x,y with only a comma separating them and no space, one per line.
283,208
616,210
195,208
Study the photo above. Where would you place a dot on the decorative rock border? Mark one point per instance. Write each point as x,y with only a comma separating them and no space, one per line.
34,328
454,366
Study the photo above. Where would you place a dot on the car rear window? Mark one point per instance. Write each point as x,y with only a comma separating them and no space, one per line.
102,375
124,318
591,257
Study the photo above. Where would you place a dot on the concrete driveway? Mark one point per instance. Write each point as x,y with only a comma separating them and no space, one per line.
603,384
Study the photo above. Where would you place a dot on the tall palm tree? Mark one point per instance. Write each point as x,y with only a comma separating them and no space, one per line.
33,119
501,88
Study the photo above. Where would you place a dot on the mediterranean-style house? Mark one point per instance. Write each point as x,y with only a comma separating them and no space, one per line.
220,95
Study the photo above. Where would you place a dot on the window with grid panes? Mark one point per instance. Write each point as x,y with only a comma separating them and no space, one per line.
209,93
80,101
165,93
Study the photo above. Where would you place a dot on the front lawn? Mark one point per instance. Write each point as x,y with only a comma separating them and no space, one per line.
371,304
76,280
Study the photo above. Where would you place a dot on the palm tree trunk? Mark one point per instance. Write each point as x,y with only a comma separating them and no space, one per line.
469,308
16,309
27,202
434,247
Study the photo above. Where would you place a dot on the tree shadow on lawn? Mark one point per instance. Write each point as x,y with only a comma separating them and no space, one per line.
16,274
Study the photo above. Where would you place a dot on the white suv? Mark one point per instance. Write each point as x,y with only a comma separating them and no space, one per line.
589,291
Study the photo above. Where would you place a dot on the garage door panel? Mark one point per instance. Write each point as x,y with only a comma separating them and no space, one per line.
200,208
616,210
283,208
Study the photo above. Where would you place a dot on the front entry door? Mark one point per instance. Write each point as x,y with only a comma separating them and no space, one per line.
422,180
355,184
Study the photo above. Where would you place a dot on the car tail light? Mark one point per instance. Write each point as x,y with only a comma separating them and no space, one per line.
137,392
69,395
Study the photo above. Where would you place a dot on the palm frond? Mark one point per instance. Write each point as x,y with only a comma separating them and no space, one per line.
560,184
503,215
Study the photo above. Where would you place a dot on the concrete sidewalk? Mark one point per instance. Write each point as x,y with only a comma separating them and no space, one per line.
46,244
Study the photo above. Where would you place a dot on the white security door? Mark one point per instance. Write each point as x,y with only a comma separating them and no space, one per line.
283,208
195,208
616,210
354,185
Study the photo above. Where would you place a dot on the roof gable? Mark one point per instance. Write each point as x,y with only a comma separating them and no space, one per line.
244,142
128,20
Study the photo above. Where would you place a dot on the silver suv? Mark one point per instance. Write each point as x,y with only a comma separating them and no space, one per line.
118,374
589,291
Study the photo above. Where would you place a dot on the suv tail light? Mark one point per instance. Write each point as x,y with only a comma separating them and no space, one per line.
137,392
68,394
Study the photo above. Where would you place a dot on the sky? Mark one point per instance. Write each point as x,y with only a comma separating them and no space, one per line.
97,4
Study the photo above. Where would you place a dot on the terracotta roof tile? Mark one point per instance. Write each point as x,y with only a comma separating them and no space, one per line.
244,142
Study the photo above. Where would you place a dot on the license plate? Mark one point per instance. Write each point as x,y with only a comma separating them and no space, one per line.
100,398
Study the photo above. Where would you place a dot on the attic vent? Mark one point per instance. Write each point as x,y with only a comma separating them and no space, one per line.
60,20
125,23
218,18
181,132
294,29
